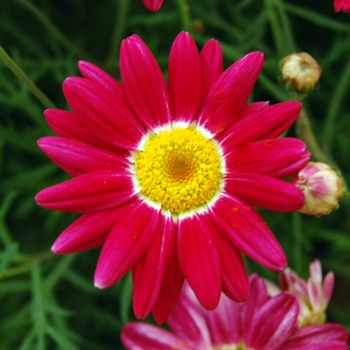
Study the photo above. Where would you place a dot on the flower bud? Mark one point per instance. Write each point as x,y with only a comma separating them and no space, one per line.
300,72
322,187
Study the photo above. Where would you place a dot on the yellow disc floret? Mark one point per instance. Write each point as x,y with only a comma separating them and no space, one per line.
179,168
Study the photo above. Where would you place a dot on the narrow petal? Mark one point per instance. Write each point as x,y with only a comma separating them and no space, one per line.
143,336
90,192
169,292
212,64
99,76
199,260
265,124
233,273
184,78
128,241
225,322
188,323
328,285
87,232
246,229
318,337
103,113
230,92
143,83
148,272
269,157
265,192
250,109
273,323
153,5
77,157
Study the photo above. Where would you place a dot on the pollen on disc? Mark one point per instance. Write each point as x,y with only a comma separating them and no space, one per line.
179,168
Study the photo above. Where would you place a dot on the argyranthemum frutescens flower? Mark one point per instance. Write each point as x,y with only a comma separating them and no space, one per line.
153,5
261,323
166,176
342,5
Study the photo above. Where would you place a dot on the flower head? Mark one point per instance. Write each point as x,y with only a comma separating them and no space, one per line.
167,175
312,295
322,187
300,72
342,5
261,323
153,5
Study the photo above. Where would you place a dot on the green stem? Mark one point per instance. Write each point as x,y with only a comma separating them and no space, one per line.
119,30
25,80
184,15
276,27
41,17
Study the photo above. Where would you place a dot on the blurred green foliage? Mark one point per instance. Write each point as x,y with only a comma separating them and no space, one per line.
48,301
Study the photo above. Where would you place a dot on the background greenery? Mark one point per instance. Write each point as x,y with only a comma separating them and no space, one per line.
48,301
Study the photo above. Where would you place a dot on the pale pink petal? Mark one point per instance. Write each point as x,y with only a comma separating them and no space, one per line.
246,229
169,291
212,64
328,285
143,83
148,272
273,323
316,272
87,232
108,118
224,322
128,241
142,336
153,5
188,323
265,192
230,92
99,76
318,337
184,78
90,192
265,124
255,157
199,260
77,157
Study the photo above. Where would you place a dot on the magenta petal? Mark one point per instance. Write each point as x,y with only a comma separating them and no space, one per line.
265,192
273,323
99,76
265,124
143,83
142,336
169,291
225,322
90,192
77,157
128,241
212,64
269,157
87,232
103,113
148,272
153,5
199,259
246,229
250,109
188,323
233,273
318,337
230,92
184,78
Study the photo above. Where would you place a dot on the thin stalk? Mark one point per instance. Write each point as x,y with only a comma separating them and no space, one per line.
25,80
184,15
119,30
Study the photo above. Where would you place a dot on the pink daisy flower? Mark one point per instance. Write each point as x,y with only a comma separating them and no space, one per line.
342,5
153,5
167,175
262,323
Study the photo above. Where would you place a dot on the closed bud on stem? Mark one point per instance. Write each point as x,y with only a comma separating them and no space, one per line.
300,72
322,187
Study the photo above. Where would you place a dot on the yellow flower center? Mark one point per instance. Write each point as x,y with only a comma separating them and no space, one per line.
179,168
